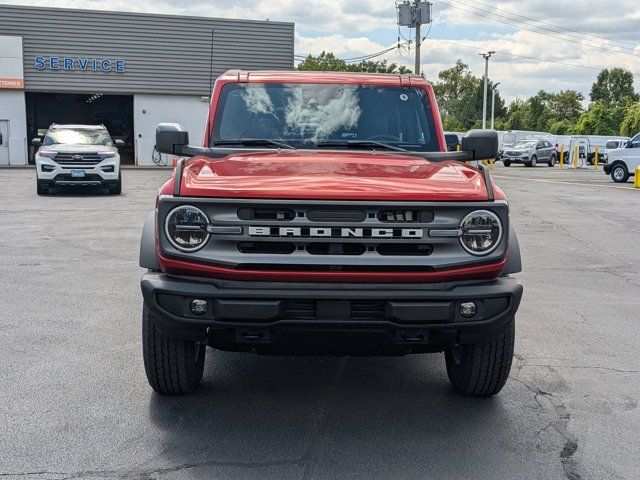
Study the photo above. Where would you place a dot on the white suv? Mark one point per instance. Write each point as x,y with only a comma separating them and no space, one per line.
80,155
623,162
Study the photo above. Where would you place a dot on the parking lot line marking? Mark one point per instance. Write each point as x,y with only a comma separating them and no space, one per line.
560,182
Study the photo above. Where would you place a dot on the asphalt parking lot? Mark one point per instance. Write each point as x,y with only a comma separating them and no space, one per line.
74,401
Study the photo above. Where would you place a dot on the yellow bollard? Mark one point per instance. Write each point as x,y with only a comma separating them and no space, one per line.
458,147
561,156
595,162
575,158
636,179
491,164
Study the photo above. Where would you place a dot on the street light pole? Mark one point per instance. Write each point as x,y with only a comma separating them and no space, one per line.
486,57
493,102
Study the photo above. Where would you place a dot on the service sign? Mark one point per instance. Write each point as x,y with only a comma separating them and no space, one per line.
11,68
82,64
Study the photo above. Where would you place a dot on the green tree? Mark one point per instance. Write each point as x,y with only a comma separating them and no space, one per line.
328,62
614,87
600,119
519,115
562,127
631,122
459,94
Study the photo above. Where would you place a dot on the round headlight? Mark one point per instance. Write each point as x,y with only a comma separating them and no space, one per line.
481,232
186,228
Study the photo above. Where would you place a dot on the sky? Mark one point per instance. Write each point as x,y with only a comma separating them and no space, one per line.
577,38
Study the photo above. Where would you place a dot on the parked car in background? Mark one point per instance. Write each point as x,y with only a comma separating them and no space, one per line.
453,140
623,162
530,153
613,144
77,155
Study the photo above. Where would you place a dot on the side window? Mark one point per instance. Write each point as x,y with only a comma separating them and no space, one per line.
635,142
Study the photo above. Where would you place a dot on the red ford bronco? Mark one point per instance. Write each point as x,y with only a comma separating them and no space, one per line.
324,215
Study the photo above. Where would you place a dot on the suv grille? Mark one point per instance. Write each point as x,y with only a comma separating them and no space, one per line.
84,158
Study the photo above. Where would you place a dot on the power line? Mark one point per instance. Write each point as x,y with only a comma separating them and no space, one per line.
633,44
521,27
575,65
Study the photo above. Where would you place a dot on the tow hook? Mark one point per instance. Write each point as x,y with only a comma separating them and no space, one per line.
252,335
413,336
456,354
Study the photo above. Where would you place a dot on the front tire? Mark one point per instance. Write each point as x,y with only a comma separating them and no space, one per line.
481,369
117,188
619,173
40,189
533,162
552,161
507,163
173,366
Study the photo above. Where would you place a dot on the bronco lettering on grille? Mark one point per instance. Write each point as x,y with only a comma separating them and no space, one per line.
320,232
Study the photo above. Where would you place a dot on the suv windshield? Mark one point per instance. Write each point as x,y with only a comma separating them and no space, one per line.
304,115
528,144
78,136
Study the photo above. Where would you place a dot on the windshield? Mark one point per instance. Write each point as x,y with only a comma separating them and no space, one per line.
524,144
303,115
78,136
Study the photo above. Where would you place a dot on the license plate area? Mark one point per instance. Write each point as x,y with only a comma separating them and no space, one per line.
78,173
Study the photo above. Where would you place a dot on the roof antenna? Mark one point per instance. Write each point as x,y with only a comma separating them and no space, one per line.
211,65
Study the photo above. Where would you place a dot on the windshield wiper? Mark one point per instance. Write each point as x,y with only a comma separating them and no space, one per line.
253,142
359,143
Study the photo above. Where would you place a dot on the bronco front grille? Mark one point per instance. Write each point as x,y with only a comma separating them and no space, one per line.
340,236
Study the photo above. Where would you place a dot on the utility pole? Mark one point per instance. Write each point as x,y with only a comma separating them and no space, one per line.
413,14
486,57
493,102
416,5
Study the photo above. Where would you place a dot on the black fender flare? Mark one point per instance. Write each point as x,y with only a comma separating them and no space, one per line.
148,257
514,262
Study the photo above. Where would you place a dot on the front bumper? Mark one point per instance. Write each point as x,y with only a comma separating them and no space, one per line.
105,173
523,159
305,318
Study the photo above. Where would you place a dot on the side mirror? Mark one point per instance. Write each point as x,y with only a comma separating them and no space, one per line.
36,142
171,138
118,142
483,143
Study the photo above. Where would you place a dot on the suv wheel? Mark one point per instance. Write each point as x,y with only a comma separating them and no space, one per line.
173,366
117,188
619,173
552,161
533,162
507,163
481,369
40,189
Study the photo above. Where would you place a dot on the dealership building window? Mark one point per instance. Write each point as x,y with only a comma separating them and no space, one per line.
127,71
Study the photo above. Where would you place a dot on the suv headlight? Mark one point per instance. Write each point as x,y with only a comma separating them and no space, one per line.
186,228
481,232
46,153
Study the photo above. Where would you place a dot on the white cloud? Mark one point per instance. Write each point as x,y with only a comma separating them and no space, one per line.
353,28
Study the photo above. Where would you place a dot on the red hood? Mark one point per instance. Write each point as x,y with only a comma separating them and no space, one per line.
331,175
